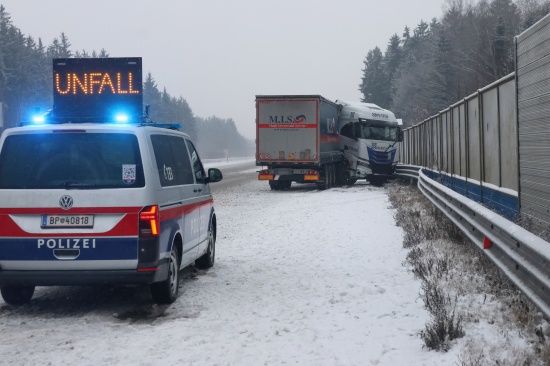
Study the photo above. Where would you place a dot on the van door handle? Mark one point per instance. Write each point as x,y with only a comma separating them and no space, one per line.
197,190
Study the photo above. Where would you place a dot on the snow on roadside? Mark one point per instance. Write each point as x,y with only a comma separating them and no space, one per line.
302,277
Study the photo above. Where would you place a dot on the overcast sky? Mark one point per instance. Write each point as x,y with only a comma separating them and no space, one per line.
219,54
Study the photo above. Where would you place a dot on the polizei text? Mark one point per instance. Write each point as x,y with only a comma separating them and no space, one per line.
66,243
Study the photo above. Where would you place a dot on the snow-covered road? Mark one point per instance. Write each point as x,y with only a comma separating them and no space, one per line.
303,277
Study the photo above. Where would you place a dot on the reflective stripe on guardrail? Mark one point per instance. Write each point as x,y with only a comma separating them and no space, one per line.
521,255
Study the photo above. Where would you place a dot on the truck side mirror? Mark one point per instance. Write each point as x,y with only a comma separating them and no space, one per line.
400,135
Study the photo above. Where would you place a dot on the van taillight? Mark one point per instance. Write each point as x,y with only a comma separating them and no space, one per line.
149,222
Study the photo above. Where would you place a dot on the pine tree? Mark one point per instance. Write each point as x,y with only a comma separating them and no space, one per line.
5,25
151,96
60,48
373,85
392,61
441,76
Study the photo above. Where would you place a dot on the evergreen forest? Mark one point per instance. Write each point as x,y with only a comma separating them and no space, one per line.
421,72
426,69
26,84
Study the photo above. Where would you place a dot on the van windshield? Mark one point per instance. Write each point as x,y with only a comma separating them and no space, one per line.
71,160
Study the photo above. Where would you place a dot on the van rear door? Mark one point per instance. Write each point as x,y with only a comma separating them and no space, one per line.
57,188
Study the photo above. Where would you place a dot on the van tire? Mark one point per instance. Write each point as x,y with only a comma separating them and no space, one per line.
166,292
17,295
207,259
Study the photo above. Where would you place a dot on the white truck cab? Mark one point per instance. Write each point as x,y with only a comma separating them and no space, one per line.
370,138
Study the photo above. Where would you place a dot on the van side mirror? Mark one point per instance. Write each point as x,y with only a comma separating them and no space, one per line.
214,175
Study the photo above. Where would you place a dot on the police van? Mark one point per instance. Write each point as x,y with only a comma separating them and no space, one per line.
109,202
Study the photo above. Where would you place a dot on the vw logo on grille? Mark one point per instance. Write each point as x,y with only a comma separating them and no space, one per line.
66,202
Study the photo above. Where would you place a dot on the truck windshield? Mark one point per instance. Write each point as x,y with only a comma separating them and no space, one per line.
71,160
374,130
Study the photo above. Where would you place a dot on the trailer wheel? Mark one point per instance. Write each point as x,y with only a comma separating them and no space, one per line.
333,178
325,184
274,185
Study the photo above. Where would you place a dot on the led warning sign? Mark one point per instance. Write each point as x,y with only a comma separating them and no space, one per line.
94,82
97,89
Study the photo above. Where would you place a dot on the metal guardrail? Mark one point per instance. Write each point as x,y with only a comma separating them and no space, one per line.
521,255
410,171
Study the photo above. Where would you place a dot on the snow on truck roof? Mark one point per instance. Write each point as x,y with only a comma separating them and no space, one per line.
365,110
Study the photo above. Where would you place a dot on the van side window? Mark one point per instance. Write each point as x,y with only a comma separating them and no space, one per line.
198,170
172,159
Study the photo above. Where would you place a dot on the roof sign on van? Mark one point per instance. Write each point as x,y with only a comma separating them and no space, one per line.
97,89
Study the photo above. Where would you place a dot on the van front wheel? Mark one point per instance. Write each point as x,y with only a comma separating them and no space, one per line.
17,295
207,259
165,292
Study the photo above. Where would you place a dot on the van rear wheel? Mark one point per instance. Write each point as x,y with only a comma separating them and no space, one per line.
17,295
166,292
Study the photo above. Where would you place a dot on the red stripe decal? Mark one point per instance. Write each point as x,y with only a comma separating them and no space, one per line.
128,226
172,213
286,125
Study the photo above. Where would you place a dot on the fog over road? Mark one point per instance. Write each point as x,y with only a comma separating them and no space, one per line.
234,174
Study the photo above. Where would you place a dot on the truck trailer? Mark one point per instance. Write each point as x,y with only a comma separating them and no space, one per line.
297,140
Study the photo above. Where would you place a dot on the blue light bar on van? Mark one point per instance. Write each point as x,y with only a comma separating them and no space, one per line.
172,126
38,120
121,118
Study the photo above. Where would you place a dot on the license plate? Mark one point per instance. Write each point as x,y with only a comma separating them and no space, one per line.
67,221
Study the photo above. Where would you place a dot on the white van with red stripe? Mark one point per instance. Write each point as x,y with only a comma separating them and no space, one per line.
102,204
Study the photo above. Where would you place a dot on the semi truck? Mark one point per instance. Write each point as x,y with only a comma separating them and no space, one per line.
310,139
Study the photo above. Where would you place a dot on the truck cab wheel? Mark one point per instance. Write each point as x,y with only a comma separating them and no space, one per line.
377,181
